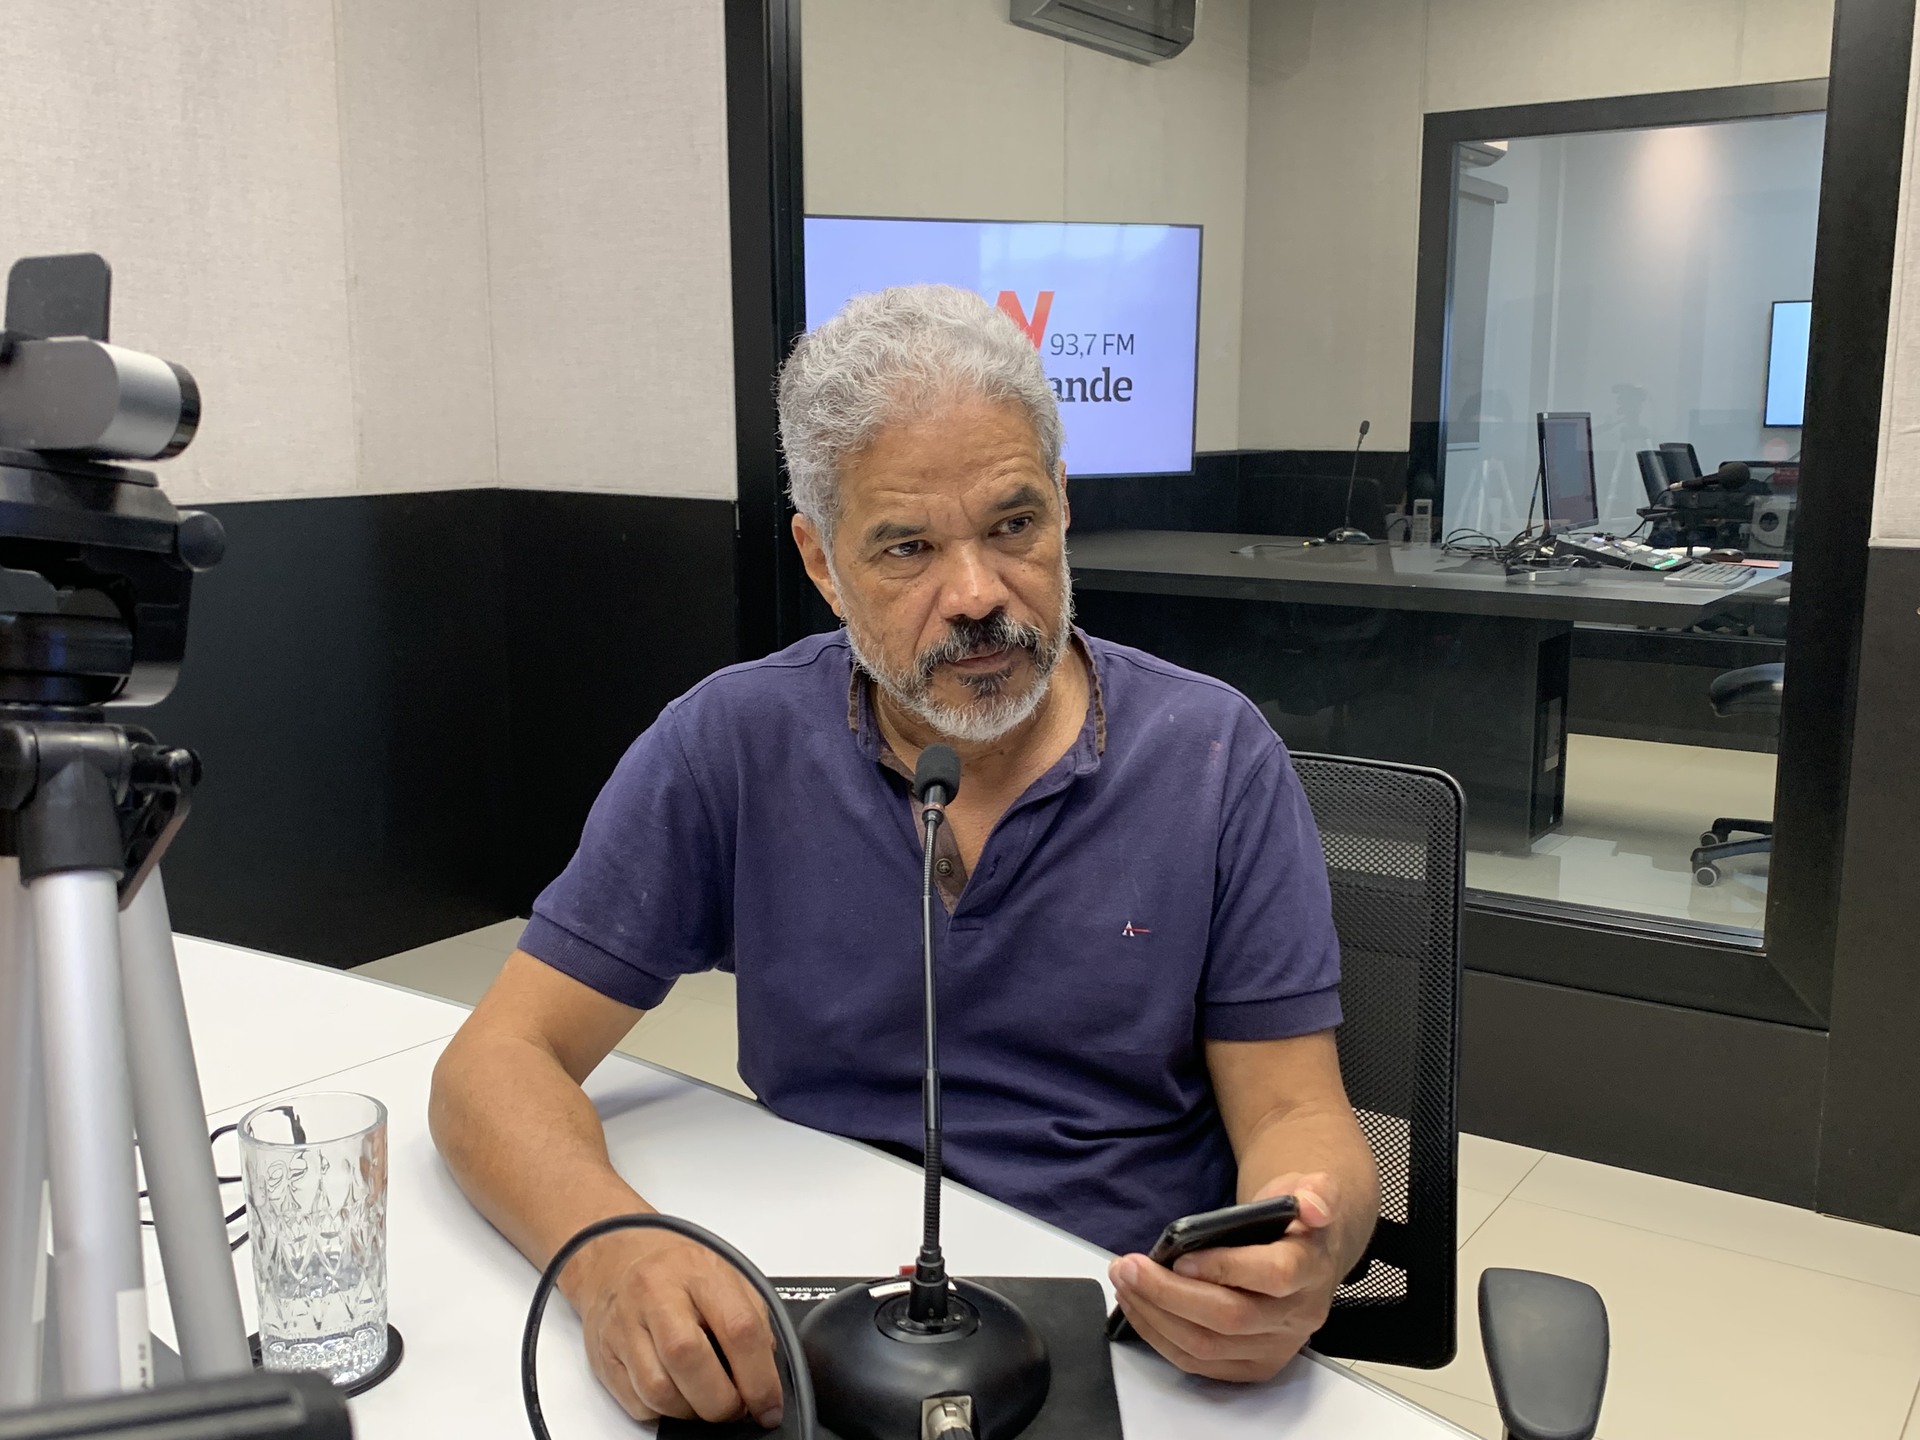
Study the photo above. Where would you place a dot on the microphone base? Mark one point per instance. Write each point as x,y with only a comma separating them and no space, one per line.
1347,535
873,1367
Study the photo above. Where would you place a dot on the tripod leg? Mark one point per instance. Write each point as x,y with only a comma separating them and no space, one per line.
23,1156
170,1116
97,1273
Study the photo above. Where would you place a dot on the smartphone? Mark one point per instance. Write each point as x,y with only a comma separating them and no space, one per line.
1260,1223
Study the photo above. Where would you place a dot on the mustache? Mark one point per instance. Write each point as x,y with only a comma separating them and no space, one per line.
966,638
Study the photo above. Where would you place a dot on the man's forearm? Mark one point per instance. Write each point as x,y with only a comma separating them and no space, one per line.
1314,1139
525,1143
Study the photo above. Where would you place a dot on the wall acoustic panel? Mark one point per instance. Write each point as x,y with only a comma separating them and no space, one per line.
608,242
196,145
415,202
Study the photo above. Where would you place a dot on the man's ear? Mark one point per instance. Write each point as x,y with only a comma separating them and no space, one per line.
813,555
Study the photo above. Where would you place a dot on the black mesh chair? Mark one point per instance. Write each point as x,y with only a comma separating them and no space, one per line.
1756,690
1396,863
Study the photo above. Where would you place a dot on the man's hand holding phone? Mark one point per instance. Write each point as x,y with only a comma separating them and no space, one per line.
1239,1312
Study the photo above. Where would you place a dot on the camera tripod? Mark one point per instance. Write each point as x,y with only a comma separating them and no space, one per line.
95,1050
96,567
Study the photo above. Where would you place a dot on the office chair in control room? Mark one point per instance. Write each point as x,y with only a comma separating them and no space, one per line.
1653,475
1752,691
1396,866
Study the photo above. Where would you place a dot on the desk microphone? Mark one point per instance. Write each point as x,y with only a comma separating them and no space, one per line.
1344,533
890,1358
1732,475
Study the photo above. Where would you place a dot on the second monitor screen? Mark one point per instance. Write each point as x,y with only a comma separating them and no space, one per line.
1566,463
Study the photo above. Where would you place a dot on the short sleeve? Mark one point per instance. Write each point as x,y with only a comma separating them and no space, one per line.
1273,959
645,898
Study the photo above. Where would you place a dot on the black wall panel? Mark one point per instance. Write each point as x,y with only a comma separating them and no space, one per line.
405,703
343,686
1706,1098
1870,1162
616,604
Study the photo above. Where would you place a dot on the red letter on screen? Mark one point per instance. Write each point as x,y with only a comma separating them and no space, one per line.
1036,329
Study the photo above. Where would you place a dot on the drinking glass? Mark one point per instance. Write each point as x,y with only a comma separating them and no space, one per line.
316,1178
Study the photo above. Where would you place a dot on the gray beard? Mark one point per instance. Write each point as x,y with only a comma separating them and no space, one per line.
993,713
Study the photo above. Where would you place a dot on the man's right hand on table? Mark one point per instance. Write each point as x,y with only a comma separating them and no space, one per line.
649,1303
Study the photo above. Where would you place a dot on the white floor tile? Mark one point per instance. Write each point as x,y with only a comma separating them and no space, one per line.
502,936
1494,1166
1707,1341
1473,1208
695,1037
1733,1222
714,986
451,969
1473,1416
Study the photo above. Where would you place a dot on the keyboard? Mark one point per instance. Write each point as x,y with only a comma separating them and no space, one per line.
1710,577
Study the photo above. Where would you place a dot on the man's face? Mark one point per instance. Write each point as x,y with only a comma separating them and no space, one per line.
949,566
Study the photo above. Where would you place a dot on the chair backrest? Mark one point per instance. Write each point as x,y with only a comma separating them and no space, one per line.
1392,835
1653,474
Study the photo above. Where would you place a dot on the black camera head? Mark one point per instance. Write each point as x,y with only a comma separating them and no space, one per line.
96,565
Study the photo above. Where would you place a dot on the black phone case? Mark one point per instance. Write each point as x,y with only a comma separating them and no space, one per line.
1259,1223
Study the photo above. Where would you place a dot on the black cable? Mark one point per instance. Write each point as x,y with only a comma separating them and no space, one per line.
802,1382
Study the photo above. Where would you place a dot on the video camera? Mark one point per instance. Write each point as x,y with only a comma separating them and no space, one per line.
96,565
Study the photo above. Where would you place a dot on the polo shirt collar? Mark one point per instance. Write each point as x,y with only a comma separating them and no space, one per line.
1083,758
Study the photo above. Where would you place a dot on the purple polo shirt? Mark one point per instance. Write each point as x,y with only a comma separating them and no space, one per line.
1161,885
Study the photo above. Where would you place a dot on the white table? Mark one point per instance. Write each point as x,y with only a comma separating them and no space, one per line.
796,1201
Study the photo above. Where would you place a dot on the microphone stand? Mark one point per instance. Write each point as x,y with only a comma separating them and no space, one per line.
927,1300
1344,533
898,1360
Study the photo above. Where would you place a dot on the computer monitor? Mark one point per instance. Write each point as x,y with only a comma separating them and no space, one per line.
1566,469
1787,363
1682,462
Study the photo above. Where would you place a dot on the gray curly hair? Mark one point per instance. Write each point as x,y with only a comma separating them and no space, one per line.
888,357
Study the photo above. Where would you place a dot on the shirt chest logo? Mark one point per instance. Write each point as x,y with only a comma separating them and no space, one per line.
1131,931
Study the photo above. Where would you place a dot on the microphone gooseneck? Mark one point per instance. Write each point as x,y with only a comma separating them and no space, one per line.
1344,533
887,1365
936,780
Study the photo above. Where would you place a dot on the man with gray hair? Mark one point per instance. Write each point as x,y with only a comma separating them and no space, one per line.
1138,949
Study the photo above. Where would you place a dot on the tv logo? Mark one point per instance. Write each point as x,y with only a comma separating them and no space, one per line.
1104,387
1035,329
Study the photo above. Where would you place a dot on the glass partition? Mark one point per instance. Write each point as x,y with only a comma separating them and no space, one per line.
1648,288
1379,334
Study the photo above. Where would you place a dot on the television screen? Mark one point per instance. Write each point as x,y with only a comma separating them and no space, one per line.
1113,309
1787,362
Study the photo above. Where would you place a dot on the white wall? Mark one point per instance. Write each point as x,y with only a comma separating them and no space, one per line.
1632,277
413,192
197,146
943,108
608,244
1339,89
1896,500
357,234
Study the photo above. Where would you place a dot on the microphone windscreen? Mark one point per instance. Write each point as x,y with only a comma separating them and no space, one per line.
1733,472
938,765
